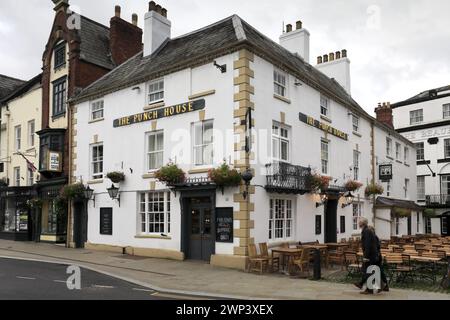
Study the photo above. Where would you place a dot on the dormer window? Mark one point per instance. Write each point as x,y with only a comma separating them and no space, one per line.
60,55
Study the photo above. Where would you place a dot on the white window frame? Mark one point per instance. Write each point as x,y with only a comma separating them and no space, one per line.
421,188
406,155
356,162
446,148
416,116
281,219
31,133
356,215
148,216
325,156
422,154
389,147
398,151
406,187
157,153
204,145
446,111
280,83
325,106
281,137
155,90
30,178
99,160
17,177
18,137
97,110
355,123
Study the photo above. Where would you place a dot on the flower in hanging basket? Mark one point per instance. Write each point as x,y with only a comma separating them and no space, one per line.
116,177
374,189
73,191
429,213
318,182
401,212
171,174
34,203
353,185
224,176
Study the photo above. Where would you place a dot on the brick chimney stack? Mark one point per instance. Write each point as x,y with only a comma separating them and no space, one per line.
125,37
384,114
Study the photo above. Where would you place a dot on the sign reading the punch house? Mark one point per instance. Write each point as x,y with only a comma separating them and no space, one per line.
323,126
160,113
385,172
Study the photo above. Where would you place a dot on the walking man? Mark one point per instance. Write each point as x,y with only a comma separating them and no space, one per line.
372,254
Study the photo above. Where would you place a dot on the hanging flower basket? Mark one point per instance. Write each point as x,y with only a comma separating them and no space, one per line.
73,191
34,203
60,204
318,182
171,174
224,176
429,213
116,177
401,212
3,182
374,189
353,185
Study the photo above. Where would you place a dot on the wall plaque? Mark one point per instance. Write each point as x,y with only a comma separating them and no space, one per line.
224,225
106,221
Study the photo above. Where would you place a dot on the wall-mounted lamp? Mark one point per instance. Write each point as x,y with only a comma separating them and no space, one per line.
298,83
89,194
222,68
114,193
348,200
247,176
323,200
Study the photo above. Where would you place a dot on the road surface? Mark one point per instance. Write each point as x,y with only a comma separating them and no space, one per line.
31,280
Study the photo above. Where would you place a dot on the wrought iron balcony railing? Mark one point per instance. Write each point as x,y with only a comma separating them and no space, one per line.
287,178
439,200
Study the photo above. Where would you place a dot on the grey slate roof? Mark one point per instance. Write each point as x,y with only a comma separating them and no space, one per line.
95,47
427,95
8,85
208,43
25,87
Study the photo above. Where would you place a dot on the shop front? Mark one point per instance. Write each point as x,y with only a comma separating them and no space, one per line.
16,216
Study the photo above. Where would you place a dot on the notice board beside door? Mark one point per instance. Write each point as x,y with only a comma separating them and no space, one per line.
224,225
106,221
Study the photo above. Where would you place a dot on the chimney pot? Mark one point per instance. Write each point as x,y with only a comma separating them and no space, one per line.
331,55
152,6
319,60
338,55
164,12
134,19
384,114
325,58
117,11
289,28
344,53
159,9
299,25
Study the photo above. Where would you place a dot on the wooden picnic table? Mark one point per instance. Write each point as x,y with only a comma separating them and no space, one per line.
288,255
314,246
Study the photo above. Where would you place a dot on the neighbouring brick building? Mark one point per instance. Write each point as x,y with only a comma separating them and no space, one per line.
79,51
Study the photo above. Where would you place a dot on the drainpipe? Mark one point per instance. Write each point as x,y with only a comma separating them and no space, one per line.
372,144
69,205
8,123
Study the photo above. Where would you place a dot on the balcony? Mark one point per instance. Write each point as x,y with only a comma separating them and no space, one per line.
438,201
287,178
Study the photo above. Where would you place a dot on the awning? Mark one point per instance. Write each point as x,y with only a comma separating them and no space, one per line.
383,202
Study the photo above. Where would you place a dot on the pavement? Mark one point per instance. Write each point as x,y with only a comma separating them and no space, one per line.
197,279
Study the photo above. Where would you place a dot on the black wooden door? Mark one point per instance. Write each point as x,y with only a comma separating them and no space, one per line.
201,239
444,226
331,221
79,222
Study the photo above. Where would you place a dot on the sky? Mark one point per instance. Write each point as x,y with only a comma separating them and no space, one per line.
397,48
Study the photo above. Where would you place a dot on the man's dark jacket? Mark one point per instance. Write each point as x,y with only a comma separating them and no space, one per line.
369,243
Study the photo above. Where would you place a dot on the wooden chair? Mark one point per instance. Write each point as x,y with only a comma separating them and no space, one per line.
353,265
397,250
274,262
399,267
256,262
303,262
343,240
324,257
336,257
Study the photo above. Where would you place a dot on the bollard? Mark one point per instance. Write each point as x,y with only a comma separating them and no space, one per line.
317,267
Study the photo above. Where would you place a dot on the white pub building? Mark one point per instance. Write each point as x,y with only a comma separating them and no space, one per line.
228,93
425,120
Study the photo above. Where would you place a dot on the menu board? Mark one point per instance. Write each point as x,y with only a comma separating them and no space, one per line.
106,221
224,225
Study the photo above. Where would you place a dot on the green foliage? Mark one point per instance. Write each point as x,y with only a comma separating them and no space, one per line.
34,203
401,212
429,213
60,204
171,174
73,191
116,177
374,189
224,176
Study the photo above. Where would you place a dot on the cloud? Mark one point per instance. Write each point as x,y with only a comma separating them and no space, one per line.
397,48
